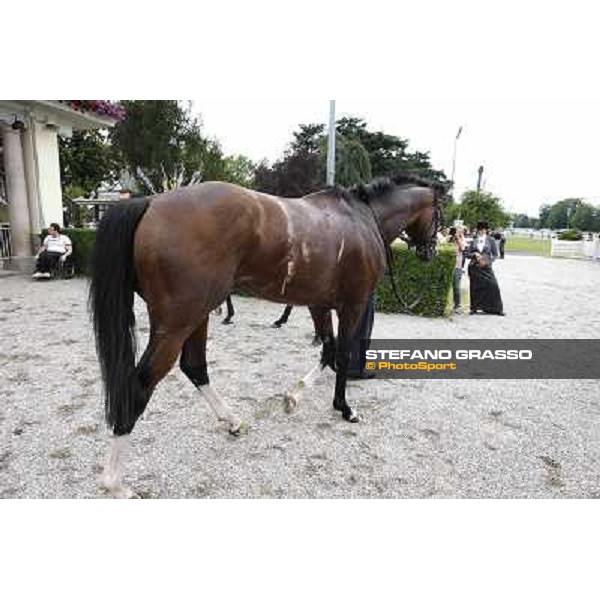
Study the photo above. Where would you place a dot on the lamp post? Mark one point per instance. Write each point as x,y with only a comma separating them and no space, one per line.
479,176
454,154
331,145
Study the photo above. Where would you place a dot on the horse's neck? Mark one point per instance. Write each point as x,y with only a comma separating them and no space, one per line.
392,219
399,209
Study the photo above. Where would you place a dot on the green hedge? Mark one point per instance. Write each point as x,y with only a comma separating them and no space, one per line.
83,242
424,287
571,235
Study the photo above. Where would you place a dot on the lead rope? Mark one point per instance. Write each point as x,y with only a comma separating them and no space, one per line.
390,259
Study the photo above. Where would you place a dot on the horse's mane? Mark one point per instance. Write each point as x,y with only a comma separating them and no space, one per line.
382,186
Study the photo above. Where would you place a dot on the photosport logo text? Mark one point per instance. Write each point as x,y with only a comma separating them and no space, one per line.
483,359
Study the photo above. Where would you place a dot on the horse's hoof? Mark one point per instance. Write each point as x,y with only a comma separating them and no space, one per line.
290,403
241,429
124,493
117,491
316,341
350,416
226,322
276,325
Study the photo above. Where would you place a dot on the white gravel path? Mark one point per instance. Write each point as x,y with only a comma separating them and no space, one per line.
418,439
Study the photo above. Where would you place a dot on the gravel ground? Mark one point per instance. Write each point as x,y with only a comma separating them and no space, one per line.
465,439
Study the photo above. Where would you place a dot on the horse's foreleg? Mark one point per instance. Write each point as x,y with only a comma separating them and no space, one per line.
324,333
155,363
293,398
193,365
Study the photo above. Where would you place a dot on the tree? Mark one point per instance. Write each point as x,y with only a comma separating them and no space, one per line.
297,174
239,169
87,161
561,213
586,218
544,220
388,154
162,144
482,206
360,155
522,220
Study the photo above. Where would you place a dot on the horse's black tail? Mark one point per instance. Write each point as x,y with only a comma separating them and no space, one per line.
111,304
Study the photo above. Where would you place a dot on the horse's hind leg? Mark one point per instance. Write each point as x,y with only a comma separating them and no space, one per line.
156,362
230,312
193,364
287,311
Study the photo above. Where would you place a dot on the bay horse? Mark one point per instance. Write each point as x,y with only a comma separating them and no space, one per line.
184,251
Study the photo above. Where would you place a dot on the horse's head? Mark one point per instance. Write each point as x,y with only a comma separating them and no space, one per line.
423,226
407,207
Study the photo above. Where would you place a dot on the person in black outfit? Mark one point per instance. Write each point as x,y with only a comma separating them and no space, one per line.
356,365
485,293
500,238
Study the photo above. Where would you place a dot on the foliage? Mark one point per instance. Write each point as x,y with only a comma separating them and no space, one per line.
523,221
570,212
450,213
361,155
297,174
561,213
477,206
163,140
87,161
571,235
586,218
544,216
427,285
239,169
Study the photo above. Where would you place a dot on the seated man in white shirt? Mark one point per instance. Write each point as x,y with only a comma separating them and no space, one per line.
56,247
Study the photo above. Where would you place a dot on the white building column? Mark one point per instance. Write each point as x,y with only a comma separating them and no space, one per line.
48,170
31,178
16,191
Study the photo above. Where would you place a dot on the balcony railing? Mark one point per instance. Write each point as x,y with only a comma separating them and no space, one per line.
5,246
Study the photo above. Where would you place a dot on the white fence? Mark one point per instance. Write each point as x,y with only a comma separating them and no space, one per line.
580,249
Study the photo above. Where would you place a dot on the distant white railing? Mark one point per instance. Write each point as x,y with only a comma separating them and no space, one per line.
579,249
5,246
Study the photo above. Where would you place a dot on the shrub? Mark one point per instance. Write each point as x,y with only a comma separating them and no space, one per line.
83,243
571,235
424,287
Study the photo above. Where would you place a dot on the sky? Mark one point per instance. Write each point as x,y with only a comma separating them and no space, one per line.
521,78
